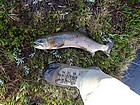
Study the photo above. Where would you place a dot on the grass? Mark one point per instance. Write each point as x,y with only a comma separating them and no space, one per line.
21,65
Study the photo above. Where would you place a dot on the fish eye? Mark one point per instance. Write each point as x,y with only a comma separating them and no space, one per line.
41,41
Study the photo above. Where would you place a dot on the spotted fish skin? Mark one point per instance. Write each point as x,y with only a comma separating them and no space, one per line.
72,39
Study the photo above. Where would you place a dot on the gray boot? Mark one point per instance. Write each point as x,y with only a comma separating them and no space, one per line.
63,74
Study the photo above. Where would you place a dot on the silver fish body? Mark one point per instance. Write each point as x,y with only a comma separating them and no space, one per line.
72,39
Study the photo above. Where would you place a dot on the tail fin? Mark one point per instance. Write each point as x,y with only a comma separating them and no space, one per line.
109,45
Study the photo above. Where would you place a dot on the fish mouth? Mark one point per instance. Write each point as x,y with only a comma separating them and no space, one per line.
36,44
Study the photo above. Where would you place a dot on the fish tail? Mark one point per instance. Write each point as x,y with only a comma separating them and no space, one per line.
109,46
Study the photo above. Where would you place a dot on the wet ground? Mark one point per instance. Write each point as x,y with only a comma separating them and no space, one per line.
131,76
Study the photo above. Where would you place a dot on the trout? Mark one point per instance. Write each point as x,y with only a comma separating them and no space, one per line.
72,39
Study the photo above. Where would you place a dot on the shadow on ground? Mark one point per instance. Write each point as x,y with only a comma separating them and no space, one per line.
131,76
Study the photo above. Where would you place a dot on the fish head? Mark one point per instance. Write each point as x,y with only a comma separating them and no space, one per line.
44,43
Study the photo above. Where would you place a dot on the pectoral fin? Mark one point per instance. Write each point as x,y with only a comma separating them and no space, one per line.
92,54
59,43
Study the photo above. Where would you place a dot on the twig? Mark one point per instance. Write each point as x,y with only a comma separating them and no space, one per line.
136,63
3,69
